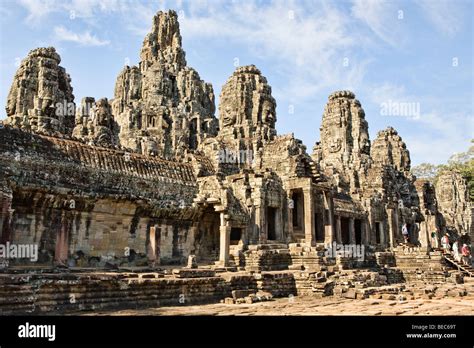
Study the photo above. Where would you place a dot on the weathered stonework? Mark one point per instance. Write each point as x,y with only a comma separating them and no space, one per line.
344,150
389,149
453,201
95,123
152,179
162,106
39,85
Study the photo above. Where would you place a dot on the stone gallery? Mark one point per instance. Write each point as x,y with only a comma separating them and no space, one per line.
151,189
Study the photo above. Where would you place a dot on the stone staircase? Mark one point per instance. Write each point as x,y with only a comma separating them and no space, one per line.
468,270
306,257
267,257
315,172
418,265
236,256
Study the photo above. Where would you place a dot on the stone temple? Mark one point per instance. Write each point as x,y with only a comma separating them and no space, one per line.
153,178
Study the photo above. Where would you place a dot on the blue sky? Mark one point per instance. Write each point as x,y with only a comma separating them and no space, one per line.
393,52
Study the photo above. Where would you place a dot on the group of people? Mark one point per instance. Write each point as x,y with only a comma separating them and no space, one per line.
461,251
462,254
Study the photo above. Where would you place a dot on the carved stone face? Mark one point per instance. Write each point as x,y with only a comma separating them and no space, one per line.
446,194
229,116
334,141
364,143
268,113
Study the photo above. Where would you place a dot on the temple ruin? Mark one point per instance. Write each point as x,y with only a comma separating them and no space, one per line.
152,178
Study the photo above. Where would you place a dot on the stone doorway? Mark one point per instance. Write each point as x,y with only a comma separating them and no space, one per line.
298,214
235,235
378,232
271,223
345,238
411,234
318,225
358,231
207,239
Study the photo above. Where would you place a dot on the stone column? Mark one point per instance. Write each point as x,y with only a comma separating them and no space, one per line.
290,217
397,231
424,233
6,217
259,224
279,225
364,232
224,246
61,250
352,238
383,238
391,227
309,235
338,230
329,227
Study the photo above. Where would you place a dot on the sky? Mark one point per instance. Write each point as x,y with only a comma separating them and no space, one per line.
408,62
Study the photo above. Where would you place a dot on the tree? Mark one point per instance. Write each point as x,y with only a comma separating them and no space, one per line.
426,171
462,162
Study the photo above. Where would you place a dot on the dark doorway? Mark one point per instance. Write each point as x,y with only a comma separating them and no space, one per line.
298,209
235,235
193,139
271,217
378,232
318,225
410,233
345,239
358,231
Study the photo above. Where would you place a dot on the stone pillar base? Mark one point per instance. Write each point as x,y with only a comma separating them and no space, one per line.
224,246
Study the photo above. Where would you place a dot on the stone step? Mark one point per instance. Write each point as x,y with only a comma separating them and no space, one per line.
271,246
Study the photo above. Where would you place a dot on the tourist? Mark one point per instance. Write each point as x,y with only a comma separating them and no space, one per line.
445,242
434,239
466,255
406,237
456,254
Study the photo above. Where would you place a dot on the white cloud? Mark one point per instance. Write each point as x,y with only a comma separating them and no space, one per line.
307,43
439,136
446,15
38,9
382,18
83,39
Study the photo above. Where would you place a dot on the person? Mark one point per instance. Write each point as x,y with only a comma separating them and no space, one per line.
456,254
406,237
434,239
466,254
445,242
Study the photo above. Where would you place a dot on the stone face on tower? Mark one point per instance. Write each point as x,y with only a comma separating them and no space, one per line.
247,117
40,97
453,200
163,43
163,107
247,108
344,149
389,149
95,123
